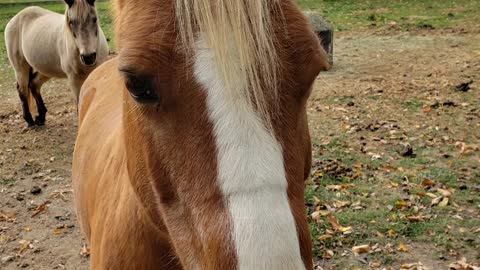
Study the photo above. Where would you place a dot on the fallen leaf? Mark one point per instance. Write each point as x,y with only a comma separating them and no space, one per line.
394,184
436,201
416,218
375,265
27,229
324,237
336,225
59,231
421,194
329,231
357,165
8,217
340,204
427,183
333,187
317,216
339,187
462,265
413,266
402,247
358,206
445,193
328,254
40,208
444,202
357,250
389,168
25,246
427,109
402,204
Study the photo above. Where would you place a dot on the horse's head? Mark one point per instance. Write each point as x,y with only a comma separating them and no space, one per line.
82,22
215,126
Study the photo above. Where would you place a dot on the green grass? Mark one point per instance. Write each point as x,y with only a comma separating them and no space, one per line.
408,14
7,181
379,215
413,105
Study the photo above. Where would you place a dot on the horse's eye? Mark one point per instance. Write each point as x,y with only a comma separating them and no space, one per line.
95,20
141,88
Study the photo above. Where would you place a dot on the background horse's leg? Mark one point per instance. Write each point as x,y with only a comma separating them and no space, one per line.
75,86
25,94
36,82
22,74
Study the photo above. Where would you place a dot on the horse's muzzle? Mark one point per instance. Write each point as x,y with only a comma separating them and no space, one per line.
89,59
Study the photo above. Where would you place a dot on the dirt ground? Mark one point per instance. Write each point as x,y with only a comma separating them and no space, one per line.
385,92
405,80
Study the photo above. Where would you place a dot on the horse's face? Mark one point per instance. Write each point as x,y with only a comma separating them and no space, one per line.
228,187
82,22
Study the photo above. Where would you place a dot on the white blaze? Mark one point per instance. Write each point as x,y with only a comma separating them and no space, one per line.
251,175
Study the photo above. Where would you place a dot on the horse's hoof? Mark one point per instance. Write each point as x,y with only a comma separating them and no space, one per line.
39,121
30,122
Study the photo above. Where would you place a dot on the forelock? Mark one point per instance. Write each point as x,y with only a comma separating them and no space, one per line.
80,10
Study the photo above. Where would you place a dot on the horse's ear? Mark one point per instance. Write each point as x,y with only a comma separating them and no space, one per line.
91,2
69,2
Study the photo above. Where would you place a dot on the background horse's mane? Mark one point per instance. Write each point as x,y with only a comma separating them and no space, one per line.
241,37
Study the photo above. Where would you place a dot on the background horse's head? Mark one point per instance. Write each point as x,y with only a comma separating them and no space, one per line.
82,21
215,126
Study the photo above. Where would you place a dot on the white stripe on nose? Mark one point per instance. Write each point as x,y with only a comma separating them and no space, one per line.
251,175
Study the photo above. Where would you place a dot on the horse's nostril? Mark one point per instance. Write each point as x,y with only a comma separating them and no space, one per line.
89,59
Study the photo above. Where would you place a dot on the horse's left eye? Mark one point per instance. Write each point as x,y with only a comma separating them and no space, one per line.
95,20
141,88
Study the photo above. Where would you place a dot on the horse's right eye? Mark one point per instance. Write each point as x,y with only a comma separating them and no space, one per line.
141,88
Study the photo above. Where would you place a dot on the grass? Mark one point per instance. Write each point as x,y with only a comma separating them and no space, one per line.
407,14
413,105
7,181
379,221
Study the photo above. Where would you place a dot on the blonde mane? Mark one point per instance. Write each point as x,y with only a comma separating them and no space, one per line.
241,37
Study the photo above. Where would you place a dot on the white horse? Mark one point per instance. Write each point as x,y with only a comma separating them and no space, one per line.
42,44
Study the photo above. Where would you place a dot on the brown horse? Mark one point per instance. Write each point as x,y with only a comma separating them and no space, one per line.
193,145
